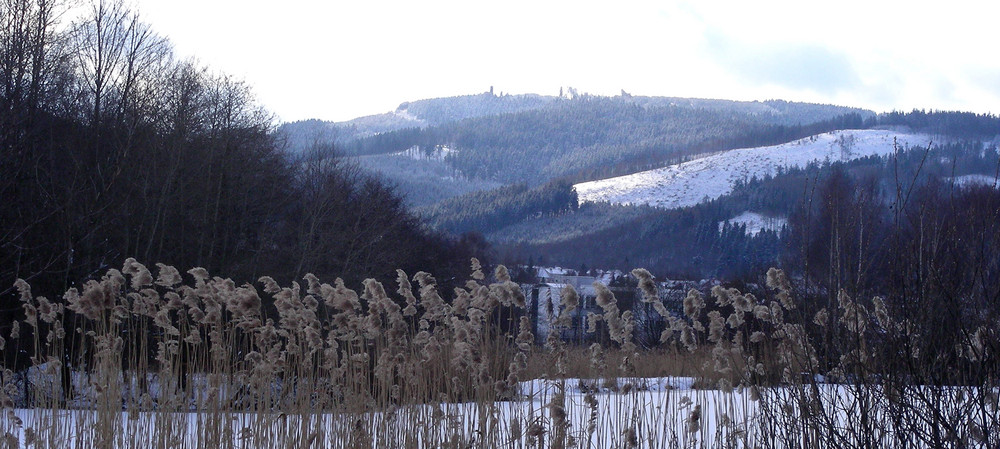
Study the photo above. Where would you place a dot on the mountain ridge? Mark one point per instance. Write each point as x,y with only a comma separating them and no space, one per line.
438,111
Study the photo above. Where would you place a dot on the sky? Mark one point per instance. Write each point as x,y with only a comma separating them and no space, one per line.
341,59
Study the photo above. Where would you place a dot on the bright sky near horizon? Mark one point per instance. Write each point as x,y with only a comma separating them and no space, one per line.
340,59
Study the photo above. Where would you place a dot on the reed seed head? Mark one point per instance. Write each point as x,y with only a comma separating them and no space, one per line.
716,326
501,274
688,339
694,419
167,276
201,276
693,303
822,317
141,277
646,284
604,298
477,270
631,440
569,298
23,289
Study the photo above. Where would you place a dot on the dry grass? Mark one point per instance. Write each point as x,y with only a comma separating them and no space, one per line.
136,361
654,362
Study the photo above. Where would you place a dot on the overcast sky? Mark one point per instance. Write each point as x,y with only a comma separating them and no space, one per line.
340,59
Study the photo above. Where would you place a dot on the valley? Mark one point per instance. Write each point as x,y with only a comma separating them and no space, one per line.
722,179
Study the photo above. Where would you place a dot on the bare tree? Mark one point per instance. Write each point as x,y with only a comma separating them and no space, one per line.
30,57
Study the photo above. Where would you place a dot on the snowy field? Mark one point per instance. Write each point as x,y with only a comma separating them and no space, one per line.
712,176
663,412
592,413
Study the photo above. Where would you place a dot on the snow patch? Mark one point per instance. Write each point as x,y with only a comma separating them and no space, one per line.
438,154
974,180
405,115
714,175
755,222
547,387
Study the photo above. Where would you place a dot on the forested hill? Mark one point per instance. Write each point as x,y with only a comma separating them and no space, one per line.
501,207
468,164
860,196
301,135
741,232
590,137
439,111
596,137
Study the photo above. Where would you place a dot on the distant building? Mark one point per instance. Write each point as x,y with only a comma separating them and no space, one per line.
544,303
544,297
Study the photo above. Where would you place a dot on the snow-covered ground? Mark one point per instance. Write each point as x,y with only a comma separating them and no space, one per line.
975,180
658,409
712,176
406,115
756,222
438,154
661,412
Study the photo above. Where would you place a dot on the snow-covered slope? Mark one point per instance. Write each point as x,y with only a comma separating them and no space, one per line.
712,176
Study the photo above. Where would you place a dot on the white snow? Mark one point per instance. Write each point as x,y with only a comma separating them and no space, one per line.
714,175
405,115
974,180
547,272
660,410
545,387
755,222
416,153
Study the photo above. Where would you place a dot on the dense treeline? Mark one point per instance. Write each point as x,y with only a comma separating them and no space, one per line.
855,220
436,111
351,136
110,148
930,252
421,179
965,125
390,142
679,243
776,112
491,210
694,242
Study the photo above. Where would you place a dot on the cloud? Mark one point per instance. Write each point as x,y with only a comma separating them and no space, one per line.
986,79
798,66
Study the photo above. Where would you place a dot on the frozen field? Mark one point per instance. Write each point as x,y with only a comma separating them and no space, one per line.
650,412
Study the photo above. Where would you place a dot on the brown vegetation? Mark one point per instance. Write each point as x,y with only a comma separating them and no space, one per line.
133,360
